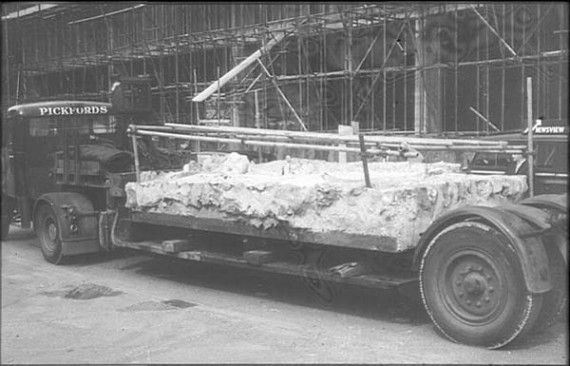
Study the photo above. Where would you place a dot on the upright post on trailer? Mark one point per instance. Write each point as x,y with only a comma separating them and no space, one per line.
257,120
530,150
133,129
218,99
364,158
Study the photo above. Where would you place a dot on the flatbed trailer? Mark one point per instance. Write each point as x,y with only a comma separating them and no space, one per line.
486,275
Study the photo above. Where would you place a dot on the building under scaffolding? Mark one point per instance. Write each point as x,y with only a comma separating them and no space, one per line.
422,68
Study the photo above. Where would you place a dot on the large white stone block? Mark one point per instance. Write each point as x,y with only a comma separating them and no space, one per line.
321,196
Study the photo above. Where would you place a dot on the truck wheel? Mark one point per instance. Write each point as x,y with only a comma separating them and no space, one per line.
555,302
47,230
473,287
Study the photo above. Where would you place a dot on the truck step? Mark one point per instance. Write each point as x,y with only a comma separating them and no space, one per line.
259,257
177,245
382,281
347,270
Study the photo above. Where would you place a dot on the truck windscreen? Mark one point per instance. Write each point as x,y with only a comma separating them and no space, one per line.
85,125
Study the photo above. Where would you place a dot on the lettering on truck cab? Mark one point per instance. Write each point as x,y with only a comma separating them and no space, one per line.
59,111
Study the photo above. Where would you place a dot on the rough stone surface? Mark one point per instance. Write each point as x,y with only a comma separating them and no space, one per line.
321,196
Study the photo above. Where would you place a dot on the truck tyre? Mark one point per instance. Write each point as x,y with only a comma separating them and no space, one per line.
6,215
555,302
47,230
473,288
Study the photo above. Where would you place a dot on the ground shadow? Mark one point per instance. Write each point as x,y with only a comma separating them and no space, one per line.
17,233
385,305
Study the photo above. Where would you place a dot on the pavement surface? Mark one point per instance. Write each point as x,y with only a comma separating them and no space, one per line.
133,308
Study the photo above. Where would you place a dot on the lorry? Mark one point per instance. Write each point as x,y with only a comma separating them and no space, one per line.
486,275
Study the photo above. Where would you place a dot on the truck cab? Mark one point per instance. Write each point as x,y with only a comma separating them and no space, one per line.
57,146
550,139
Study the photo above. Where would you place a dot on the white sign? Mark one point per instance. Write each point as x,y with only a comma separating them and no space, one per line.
60,111
539,129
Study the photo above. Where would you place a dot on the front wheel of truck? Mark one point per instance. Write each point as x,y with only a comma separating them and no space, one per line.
48,232
473,288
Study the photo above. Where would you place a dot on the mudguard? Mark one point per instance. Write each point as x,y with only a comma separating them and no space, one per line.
77,219
557,206
523,235
552,201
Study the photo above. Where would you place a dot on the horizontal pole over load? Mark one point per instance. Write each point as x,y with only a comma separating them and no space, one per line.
336,138
161,131
252,142
394,142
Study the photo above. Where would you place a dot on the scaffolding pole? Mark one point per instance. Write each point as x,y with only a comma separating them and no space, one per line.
282,95
237,69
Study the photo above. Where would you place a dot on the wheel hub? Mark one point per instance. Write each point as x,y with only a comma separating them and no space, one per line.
474,289
50,234
474,284
52,231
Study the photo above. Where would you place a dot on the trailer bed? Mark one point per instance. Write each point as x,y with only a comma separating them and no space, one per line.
219,224
198,252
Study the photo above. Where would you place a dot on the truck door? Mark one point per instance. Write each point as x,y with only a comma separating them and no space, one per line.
8,181
20,166
44,139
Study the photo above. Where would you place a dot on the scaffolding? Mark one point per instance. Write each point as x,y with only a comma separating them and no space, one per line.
422,68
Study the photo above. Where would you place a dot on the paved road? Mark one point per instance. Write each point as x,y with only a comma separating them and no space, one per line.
132,308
